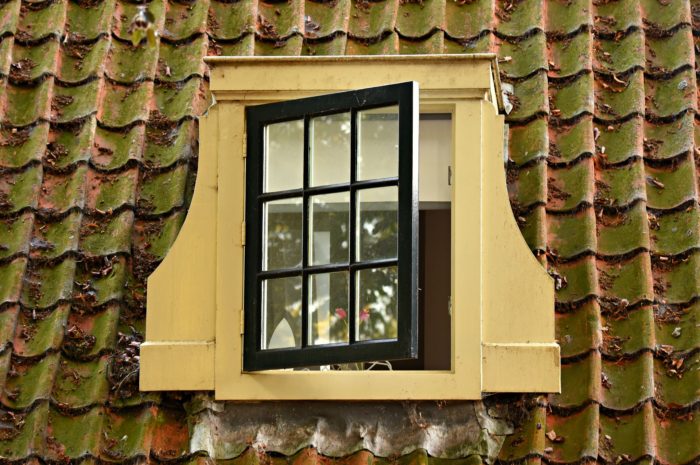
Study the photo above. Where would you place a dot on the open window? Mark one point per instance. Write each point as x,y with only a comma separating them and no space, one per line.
332,229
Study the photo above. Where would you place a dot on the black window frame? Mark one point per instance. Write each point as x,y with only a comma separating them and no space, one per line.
405,95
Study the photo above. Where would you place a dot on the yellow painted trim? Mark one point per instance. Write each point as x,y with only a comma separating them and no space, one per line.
524,367
188,365
485,240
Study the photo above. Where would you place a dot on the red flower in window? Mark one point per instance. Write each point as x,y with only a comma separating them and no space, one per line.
341,313
364,314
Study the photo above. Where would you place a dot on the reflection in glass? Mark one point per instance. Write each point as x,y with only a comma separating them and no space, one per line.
284,156
329,228
282,220
328,308
330,149
378,143
377,303
377,223
281,313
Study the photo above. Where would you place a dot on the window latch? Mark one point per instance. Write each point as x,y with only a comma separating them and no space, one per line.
449,175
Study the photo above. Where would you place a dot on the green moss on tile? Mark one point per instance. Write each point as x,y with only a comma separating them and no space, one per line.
629,280
580,382
77,436
414,19
55,238
95,333
528,440
579,280
628,332
667,140
677,391
325,19
22,146
36,60
231,20
286,47
371,20
8,320
620,55
615,100
676,232
480,44
70,145
11,279
528,142
26,105
175,101
665,15
432,45
127,432
35,336
335,46
184,20
9,16
578,433
46,285
20,189
671,186
668,53
64,191
81,384
525,56
571,235
629,435
530,97
32,382
127,63
621,141
180,61
79,61
569,56
532,227
677,281
529,186
37,23
280,20
677,328
567,17
465,20
111,191
70,103
108,235
629,382
570,186
156,237
668,97
88,22
518,19
619,15
578,331
569,143
25,435
122,105
114,148
623,232
620,185
386,45
161,192
14,235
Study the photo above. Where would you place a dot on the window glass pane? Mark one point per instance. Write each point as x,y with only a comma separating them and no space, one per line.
282,220
377,303
284,156
377,223
378,143
281,313
330,149
328,308
329,228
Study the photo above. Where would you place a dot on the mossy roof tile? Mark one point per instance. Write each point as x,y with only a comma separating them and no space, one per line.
580,191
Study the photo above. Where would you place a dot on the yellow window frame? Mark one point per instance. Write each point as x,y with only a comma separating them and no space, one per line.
502,298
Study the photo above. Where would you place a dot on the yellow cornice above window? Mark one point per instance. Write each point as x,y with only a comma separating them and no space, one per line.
502,298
